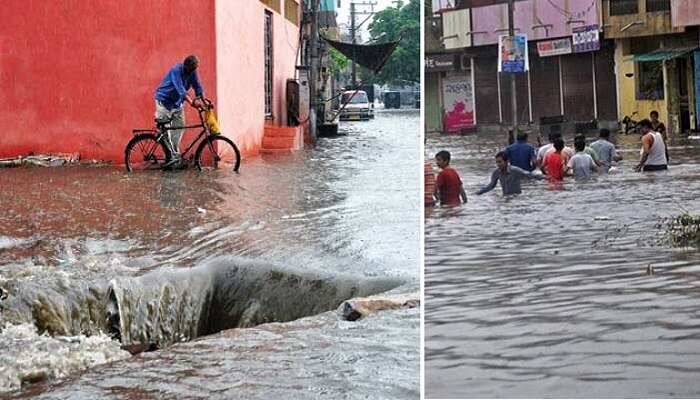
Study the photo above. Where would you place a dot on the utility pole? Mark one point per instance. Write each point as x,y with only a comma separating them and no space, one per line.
353,32
513,94
313,71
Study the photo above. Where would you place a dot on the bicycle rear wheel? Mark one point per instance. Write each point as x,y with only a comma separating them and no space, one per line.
145,152
218,152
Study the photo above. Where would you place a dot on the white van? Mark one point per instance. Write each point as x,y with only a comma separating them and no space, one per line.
356,106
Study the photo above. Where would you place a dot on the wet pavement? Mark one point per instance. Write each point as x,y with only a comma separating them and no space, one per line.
314,227
547,294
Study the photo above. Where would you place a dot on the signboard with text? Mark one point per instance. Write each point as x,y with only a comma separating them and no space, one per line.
556,47
439,62
458,104
585,38
512,54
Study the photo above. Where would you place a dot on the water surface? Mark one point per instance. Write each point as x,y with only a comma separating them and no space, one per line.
547,294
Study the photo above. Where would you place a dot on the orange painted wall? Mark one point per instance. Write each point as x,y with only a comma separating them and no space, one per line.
77,76
240,62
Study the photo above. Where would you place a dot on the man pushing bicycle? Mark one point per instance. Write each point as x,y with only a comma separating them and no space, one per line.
171,95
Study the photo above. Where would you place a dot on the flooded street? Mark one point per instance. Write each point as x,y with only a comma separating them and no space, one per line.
171,257
548,294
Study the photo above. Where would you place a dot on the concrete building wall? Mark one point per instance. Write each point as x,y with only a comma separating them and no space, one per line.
240,65
77,76
626,71
685,13
538,19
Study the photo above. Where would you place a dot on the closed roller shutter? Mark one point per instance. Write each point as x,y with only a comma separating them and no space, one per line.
577,77
544,76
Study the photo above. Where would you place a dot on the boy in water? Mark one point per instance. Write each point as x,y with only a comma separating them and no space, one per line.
553,164
582,163
449,189
508,175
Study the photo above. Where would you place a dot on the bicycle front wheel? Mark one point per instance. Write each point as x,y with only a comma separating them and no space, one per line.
145,152
218,152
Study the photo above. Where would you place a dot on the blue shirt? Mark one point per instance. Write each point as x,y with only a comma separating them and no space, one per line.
520,154
173,88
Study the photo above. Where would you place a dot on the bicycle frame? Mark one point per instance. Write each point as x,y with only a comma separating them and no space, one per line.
162,131
208,141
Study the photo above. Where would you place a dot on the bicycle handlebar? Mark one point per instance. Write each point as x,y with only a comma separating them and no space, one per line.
207,105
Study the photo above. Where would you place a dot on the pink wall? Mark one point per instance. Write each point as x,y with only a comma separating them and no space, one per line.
685,13
77,76
488,20
240,86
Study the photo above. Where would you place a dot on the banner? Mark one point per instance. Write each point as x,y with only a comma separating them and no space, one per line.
458,104
585,38
512,56
554,47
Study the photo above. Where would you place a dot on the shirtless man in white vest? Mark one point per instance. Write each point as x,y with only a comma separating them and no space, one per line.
653,152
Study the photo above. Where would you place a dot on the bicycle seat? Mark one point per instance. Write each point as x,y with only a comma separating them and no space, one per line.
163,120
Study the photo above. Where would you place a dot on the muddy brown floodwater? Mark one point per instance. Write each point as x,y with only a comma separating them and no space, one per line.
236,277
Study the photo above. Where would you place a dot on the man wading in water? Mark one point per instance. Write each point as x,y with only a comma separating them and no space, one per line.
653,152
508,175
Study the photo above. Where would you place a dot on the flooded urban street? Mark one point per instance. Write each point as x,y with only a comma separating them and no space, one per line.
571,293
162,258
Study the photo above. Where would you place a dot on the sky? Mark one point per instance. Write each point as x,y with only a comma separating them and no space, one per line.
344,12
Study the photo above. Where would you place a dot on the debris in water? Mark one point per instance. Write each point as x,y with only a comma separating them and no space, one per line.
354,309
71,339
601,218
138,348
650,270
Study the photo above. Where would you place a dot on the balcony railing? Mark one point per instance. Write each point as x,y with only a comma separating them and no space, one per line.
658,5
622,7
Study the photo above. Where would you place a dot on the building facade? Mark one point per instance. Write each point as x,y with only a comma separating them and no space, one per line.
656,53
77,77
570,78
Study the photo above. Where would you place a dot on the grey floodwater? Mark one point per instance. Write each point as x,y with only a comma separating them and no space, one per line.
547,294
235,277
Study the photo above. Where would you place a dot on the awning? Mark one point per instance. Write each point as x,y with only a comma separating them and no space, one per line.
664,54
372,56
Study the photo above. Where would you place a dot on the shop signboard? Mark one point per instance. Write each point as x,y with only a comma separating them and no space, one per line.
585,38
439,62
458,103
555,47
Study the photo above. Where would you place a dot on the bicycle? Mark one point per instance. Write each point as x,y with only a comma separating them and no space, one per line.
628,125
149,149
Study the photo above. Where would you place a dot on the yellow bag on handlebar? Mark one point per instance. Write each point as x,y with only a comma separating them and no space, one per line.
212,123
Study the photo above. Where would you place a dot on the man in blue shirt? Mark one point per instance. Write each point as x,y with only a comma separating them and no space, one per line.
171,95
522,154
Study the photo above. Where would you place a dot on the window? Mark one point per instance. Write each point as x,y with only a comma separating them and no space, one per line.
658,5
650,80
273,4
622,7
291,11
268,64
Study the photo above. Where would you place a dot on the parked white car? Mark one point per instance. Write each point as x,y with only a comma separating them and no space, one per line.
356,106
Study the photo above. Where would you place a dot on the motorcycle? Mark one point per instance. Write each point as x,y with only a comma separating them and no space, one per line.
628,125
